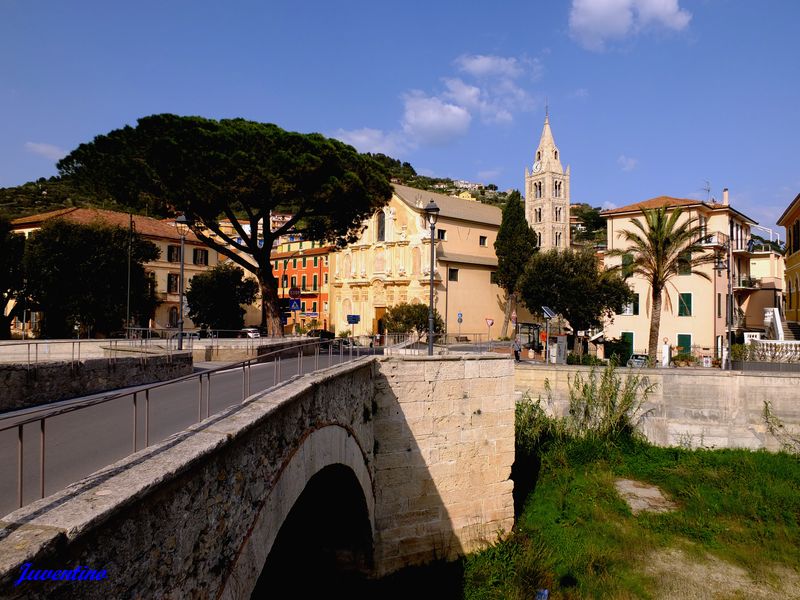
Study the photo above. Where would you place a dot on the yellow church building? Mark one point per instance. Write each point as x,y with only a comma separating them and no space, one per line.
390,264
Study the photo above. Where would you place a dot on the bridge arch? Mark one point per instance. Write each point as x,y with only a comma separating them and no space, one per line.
328,463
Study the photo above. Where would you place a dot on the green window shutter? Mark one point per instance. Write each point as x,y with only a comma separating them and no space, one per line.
636,304
626,337
685,342
685,305
685,264
627,265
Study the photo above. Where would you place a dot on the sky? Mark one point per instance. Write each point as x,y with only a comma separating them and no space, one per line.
645,97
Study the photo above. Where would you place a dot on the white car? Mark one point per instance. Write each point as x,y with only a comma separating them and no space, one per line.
251,332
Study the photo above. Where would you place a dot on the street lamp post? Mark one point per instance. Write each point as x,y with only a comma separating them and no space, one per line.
182,225
432,215
725,265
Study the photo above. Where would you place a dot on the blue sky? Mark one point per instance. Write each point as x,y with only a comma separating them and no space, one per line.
646,97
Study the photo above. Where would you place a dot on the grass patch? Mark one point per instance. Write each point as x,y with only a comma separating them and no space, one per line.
578,538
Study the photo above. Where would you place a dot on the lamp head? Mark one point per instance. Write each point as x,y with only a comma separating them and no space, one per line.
432,213
182,225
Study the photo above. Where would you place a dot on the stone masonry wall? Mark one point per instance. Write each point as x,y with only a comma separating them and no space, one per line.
691,407
444,430
59,380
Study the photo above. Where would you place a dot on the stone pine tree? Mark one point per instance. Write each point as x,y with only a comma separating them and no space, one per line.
515,244
658,249
228,177
12,247
573,285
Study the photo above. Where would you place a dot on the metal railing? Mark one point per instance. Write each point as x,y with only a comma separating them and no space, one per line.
320,354
33,352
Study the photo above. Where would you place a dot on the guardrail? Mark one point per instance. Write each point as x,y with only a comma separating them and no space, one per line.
329,352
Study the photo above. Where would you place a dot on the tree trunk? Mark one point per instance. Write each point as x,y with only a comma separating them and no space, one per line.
509,300
655,324
270,309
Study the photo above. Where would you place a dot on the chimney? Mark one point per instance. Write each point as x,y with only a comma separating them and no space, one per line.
725,200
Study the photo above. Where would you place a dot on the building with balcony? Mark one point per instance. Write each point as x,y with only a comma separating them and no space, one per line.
390,264
693,307
790,220
166,269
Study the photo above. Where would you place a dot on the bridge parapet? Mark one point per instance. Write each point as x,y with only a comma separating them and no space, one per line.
429,440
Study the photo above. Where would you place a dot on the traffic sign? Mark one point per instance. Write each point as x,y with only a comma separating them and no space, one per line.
353,319
294,305
294,292
460,316
489,321
460,320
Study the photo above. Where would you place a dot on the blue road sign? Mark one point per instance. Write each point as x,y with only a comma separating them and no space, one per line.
294,305
353,319
460,316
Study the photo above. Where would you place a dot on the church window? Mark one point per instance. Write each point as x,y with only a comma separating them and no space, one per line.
537,215
557,216
381,227
556,189
557,239
555,154
538,238
537,189
538,156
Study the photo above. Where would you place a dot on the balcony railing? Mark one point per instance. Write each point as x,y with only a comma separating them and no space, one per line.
717,238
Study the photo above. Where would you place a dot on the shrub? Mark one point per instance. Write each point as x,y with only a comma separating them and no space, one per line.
684,357
589,360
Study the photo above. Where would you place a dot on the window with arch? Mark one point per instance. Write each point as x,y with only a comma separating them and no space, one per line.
555,154
537,215
380,227
557,214
538,156
537,189
557,189
557,239
538,238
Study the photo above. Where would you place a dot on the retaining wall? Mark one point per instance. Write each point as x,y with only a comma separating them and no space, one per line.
690,407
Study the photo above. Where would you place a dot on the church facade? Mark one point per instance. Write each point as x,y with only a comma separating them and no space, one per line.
547,194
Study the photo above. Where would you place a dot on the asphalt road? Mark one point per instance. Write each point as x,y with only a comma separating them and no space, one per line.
80,442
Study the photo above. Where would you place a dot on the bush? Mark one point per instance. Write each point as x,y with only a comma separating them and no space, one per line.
684,357
589,360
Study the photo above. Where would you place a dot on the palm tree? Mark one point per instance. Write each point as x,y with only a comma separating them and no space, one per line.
662,248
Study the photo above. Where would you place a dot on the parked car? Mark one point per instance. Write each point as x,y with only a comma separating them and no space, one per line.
250,332
637,360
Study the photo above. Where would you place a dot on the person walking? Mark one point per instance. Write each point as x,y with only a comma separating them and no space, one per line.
517,349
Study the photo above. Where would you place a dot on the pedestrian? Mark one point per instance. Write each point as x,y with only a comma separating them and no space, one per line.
517,348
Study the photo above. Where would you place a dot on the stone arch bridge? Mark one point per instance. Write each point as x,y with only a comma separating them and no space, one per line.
367,467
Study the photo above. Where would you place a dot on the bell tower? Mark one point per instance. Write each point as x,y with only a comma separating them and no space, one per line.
547,193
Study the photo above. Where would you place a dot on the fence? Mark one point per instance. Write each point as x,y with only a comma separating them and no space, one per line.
96,426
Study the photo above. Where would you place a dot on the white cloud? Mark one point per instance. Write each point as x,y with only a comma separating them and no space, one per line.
626,163
593,23
373,140
480,65
430,120
488,90
47,150
609,205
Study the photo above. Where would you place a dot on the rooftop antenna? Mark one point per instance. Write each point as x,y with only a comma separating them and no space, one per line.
707,189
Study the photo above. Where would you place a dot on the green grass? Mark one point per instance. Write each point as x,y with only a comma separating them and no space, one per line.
578,538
